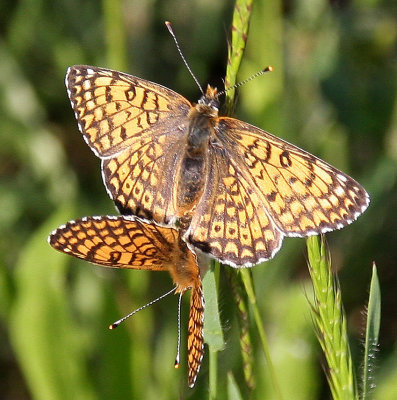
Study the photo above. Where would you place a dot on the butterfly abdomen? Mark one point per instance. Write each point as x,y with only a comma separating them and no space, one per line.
190,183
195,342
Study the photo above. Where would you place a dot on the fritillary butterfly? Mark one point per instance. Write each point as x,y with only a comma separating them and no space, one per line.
235,190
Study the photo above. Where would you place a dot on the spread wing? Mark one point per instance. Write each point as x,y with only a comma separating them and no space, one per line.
302,194
230,222
124,242
261,188
114,109
116,242
141,179
138,128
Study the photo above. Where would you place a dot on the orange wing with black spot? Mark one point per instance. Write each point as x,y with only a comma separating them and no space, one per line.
259,189
138,129
117,242
195,341
230,222
302,194
127,242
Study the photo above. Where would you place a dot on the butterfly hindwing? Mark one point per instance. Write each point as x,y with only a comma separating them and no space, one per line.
229,221
135,178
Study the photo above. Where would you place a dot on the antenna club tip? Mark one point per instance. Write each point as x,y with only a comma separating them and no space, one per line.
269,68
113,326
176,363
168,25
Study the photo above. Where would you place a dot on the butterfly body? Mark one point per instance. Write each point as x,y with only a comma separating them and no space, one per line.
193,167
238,189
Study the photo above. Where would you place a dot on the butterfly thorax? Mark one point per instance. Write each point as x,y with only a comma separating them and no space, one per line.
202,118
194,163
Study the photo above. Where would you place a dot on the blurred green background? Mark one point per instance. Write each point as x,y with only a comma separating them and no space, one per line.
332,92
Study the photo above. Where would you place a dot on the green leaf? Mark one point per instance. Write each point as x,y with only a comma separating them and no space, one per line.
213,334
372,333
212,324
233,391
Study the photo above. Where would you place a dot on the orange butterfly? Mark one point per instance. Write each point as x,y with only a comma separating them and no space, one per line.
234,189
128,242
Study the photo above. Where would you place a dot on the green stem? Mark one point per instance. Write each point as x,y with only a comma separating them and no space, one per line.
240,25
213,350
243,319
213,373
246,275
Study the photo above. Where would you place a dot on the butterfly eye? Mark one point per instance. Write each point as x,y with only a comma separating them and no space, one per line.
210,102
214,104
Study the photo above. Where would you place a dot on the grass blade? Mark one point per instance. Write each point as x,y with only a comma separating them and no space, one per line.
213,334
243,319
249,287
233,391
371,334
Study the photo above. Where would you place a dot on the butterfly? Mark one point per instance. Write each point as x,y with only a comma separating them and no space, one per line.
128,242
233,189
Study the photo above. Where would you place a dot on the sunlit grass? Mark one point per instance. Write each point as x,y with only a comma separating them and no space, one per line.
330,322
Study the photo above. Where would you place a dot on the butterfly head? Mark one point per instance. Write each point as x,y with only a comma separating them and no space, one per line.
209,103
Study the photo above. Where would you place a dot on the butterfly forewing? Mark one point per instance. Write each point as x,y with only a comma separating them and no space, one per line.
114,109
127,242
303,194
138,129
116,242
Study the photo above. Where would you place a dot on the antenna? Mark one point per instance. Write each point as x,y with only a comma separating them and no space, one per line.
169,26
178,348
117,323
269,68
